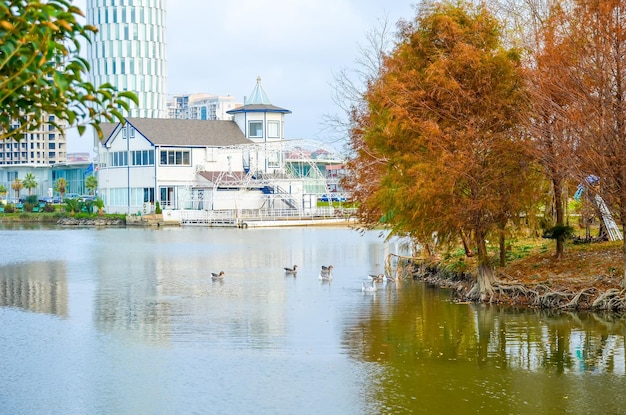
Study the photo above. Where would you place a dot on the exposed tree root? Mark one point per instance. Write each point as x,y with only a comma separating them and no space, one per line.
518,294
612,299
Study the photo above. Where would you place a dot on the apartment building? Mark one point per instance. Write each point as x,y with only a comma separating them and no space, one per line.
202,107
48,145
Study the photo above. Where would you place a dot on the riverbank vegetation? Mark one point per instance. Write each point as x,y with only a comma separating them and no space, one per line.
482,122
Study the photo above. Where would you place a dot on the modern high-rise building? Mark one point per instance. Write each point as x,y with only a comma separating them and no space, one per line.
129,51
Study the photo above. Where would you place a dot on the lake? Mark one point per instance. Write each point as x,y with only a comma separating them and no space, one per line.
129,321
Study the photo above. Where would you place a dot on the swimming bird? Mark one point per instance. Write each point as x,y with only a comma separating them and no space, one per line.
369,287
390,279
376,278
216,276
291,270
326,273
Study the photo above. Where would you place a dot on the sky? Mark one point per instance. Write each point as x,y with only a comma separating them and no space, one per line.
295,46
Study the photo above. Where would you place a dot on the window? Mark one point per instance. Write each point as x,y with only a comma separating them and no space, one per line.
167,196
142,157
273,160
175,158
118,159
255,129
273,129
148,194
128,131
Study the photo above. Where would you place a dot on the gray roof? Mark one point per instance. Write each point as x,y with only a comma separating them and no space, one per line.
176,132
258,102
258,108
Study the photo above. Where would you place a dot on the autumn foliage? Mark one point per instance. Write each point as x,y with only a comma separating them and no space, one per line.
440,146
456,135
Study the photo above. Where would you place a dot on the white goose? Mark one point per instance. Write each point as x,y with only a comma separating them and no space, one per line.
369,286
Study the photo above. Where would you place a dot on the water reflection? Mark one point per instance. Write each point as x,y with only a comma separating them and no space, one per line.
477,357
39,287
145,330
420,323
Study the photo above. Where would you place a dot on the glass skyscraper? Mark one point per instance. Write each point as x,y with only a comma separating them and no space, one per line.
129,51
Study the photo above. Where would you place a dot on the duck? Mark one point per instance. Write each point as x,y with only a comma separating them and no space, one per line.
326,272
291,270
369,286
377,278
390,280
216,276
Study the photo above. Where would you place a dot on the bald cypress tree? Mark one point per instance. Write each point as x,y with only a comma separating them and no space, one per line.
444,116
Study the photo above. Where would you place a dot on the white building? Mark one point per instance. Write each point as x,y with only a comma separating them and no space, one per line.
202,107
129,51
264,124
212,165
148,160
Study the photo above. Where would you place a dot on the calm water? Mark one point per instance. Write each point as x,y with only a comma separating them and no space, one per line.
128,321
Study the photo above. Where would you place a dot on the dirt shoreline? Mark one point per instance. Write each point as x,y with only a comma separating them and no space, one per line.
582,280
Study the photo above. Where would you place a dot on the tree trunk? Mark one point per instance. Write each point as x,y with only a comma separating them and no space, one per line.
559,215
468,250
486,277
623,284
502,247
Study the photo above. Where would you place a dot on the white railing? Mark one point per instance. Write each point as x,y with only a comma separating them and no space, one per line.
236,217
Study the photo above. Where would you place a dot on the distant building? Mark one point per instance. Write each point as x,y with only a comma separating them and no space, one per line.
201,107
75,157
129,51
44,146
46,177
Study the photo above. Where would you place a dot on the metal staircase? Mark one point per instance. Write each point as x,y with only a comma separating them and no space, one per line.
609,223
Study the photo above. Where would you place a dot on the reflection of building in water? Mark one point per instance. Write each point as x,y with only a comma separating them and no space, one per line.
164,301
40,287
131,303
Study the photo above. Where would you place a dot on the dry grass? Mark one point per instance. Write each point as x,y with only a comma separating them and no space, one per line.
598,265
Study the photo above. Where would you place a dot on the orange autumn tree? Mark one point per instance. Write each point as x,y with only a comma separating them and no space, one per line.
596,77
444,114
553,106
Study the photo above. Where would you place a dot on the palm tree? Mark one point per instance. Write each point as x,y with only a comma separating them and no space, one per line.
91,184
29,182
17,186
71,205
3,190
99,203
60,186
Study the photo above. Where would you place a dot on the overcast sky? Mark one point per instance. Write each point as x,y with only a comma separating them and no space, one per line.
220,47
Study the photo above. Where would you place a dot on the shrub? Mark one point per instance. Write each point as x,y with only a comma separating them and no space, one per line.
48,208
28,207
9,208
157,209
558,231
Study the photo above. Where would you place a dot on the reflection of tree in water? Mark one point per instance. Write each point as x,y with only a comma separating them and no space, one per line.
428,345
39,287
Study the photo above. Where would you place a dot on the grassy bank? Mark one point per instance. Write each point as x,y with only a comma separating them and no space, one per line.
54,217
